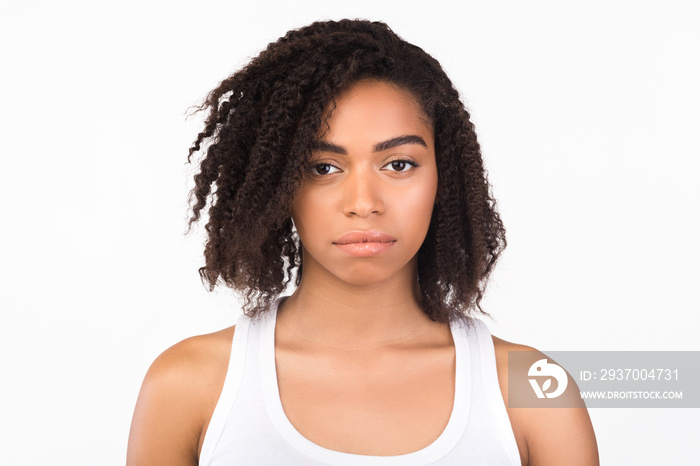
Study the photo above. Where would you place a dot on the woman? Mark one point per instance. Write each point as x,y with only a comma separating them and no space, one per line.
343,148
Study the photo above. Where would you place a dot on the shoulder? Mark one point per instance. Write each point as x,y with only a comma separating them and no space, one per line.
177,398
192,368
547,436
194,354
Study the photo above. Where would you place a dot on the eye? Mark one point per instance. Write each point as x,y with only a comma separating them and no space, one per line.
401,165
321,169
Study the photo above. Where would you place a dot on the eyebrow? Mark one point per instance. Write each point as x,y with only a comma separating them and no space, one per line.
326,146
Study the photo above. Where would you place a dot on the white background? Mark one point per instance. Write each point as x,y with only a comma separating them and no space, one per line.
588,117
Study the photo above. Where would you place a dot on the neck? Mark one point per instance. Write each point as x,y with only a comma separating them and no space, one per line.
331,312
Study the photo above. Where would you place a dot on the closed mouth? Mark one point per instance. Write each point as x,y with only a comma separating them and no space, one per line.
371,236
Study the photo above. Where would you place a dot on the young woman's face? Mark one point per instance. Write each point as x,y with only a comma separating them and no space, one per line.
364,208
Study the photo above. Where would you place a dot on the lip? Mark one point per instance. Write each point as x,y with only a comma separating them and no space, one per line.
367,249
370,236
365,243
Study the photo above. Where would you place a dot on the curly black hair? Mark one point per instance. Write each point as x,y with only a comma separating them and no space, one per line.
261,126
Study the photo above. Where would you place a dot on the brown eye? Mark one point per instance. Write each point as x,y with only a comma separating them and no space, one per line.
322,169
401,166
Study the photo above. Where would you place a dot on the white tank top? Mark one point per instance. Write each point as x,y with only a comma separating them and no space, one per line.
249,426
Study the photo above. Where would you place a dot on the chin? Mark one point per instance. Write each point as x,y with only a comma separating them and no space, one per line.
364,275
362,280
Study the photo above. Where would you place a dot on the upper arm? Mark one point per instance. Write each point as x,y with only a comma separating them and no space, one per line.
549,436
176,400
560,436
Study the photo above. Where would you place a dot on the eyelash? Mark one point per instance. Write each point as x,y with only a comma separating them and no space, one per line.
313,167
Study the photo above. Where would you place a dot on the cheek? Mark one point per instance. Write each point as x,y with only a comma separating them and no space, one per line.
415,209
422,212
306,212
421,198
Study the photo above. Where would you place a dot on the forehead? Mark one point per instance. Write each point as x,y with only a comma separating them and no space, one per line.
374,110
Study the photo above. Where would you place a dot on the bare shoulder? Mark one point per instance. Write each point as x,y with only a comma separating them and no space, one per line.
547,436
502,347
177,398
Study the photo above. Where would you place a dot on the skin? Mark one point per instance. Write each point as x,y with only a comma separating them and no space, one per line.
361,368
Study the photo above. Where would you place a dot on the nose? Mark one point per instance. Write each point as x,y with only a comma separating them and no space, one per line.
362,195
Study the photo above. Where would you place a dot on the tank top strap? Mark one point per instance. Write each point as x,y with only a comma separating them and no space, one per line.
485,374
227,398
